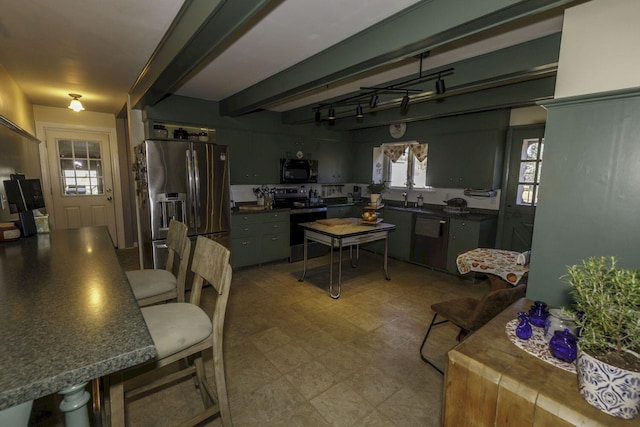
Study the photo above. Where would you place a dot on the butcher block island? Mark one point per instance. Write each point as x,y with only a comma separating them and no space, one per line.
344,232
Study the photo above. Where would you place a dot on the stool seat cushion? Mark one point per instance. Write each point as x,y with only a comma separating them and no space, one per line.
149,282
176,326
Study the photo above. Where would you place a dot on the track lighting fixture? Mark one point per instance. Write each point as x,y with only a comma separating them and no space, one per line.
405,101
440,87
75,103
370,96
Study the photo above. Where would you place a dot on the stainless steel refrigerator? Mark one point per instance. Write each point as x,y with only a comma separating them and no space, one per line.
183,180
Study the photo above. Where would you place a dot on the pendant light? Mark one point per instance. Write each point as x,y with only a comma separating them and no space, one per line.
75,103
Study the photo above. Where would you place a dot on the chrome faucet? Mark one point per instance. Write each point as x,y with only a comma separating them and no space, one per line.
406,198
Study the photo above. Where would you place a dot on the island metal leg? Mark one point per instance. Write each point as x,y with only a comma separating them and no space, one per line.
304,257
386,249
331,294
351,255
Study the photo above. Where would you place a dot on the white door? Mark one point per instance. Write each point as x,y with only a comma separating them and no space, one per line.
81,179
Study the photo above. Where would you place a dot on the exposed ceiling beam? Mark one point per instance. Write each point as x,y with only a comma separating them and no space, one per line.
533,59
419,28
200,31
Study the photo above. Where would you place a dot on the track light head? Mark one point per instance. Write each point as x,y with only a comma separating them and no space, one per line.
440,87
374,100
359,113
317,115
332,113
405,102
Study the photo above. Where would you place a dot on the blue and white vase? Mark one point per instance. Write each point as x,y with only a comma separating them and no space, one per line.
613,390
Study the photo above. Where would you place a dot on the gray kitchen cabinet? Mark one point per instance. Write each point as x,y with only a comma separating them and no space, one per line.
466,160
253,158
465,234
334,159
400,239
259,237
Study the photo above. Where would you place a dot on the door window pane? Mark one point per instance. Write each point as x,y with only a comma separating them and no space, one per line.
79,175
530,167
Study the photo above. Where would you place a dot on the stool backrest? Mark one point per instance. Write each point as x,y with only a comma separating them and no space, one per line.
494,303
210,263
179,246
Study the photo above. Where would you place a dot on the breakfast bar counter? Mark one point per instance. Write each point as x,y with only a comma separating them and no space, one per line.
67,315
489,381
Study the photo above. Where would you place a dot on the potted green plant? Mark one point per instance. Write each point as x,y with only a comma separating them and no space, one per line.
607,311
375,189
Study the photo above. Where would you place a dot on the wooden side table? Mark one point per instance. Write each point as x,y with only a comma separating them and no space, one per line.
491,382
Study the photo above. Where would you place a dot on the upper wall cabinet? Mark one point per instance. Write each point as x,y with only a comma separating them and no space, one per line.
466,160
334,160
253,158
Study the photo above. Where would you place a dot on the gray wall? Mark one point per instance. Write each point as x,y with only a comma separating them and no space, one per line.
589,191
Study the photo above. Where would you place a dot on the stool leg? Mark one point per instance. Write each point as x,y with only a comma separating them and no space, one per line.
424,341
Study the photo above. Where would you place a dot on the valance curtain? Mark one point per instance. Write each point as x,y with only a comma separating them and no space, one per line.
395,151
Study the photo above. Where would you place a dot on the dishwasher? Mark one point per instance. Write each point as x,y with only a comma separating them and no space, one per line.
429,241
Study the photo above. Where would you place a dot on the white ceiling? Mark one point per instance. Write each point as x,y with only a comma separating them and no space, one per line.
97,48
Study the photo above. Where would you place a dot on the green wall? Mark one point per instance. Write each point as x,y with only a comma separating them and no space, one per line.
473,141
589,191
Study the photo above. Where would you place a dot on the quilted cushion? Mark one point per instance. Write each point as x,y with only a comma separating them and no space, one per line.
150,282
176,326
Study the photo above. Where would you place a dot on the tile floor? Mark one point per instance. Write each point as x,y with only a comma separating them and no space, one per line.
296,357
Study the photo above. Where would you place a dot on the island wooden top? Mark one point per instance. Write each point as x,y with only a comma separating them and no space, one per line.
67,314
490,380
349,227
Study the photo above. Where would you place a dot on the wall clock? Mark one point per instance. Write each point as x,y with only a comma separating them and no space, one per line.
397,130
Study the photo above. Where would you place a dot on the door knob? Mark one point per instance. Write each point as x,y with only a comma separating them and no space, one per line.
109,198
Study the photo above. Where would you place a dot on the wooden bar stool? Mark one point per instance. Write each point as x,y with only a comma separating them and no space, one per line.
151,286
180,331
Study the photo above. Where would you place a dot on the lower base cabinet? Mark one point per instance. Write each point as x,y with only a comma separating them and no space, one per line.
400,238
259,237
465,235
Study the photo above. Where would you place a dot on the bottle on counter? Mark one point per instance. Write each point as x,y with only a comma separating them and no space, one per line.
420,200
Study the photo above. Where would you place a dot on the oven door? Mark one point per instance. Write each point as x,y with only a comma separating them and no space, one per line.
314,249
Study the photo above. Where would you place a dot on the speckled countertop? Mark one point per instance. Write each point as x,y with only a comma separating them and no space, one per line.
67,314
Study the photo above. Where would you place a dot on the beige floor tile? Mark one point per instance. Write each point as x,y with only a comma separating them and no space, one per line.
341,405
270,339
373,384
406,408
312,379
288,357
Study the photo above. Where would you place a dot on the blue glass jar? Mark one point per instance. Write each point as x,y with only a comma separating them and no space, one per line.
538,314
563,345
523,330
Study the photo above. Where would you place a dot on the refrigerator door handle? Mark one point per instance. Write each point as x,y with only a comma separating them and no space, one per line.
190,199
196,175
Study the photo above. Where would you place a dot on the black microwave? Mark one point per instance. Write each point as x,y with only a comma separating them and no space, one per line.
294,171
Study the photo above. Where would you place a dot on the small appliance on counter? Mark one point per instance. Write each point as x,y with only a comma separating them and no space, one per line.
457,205
357,193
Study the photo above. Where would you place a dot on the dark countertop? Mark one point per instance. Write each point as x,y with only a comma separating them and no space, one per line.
237,211
67,314
437,211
